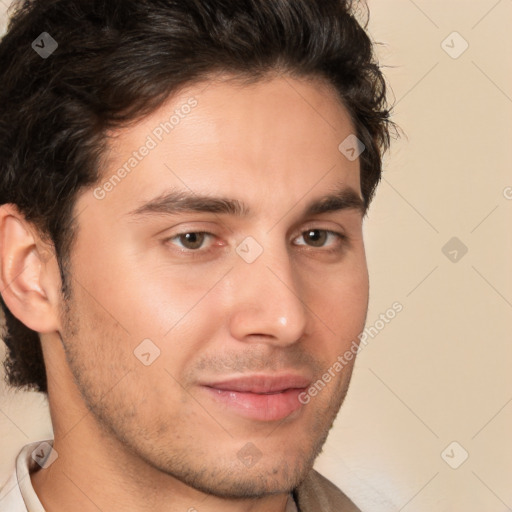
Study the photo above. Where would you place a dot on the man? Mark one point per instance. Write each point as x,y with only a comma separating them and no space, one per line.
183,186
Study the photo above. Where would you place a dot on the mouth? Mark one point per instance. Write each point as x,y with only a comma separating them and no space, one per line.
260,397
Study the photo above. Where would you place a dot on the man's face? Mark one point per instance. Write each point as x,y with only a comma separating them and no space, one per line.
268,293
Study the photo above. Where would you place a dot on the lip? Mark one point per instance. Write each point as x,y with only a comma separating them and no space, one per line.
260,397
262,383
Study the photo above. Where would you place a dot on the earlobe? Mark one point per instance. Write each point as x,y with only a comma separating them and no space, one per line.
24,268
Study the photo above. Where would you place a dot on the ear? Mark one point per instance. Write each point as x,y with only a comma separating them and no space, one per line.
29,278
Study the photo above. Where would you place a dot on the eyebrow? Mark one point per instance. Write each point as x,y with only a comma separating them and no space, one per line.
175,202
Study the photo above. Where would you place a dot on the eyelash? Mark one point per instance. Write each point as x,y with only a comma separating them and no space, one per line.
343,240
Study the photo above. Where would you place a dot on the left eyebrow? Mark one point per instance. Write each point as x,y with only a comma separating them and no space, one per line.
344,199
175,202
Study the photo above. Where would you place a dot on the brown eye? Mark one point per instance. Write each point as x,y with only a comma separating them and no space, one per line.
317,237
191,240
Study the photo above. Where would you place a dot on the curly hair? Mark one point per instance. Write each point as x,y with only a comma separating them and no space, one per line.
118,61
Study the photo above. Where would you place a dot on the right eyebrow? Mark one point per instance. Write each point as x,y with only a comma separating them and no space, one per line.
176,201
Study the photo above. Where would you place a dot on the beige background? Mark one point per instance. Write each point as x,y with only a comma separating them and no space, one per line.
440,371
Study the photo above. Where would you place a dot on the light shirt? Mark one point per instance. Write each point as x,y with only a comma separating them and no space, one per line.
18,495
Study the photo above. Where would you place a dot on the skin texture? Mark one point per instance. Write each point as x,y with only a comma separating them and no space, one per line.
137,438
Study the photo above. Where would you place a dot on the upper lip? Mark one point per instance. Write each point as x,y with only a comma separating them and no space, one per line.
262,383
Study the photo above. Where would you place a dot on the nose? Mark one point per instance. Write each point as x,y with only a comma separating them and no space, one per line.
268,303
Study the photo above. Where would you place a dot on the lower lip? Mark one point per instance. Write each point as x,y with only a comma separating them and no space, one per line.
257,406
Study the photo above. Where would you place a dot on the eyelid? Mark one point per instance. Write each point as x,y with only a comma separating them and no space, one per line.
312,226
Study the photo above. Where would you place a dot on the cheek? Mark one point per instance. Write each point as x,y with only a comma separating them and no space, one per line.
341,302
148,300
170,302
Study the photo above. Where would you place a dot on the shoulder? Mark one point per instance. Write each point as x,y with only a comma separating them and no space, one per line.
318,493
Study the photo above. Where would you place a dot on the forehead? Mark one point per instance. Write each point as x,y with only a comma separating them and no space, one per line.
235,138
